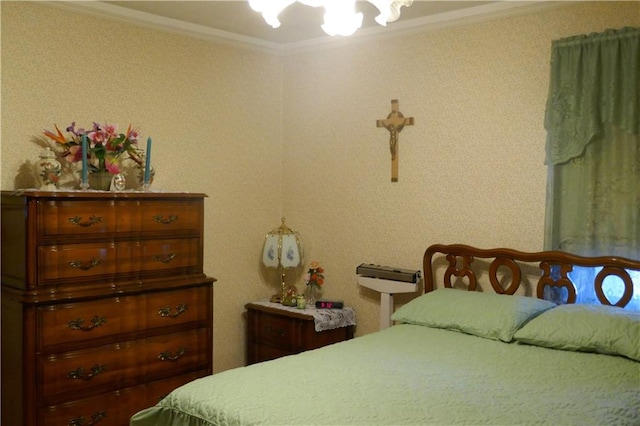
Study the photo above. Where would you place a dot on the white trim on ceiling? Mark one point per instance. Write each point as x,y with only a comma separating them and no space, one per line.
481,13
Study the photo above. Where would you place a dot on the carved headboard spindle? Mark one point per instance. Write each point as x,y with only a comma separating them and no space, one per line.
465,271
563,281
516,275
626,279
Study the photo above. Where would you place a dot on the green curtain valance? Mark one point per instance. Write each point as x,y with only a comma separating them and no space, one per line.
595,80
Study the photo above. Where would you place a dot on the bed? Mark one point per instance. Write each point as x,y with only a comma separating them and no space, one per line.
497,353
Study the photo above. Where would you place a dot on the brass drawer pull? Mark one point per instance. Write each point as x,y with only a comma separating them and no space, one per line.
275,331
79,373
171,218
166,311
164,258
95,261
166,356
82,421
77,220
78,323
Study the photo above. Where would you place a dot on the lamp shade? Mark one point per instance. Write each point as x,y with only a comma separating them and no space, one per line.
270,251
282,249
291,256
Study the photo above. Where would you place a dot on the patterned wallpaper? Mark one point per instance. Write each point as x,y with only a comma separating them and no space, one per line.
471,169
296,136
213,112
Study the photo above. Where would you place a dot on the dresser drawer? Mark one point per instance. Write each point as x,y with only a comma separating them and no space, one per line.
83,321
85,217
112,408
75,217
111,366
88,261
161,256
80,372
83,261
172,354
105,410
170,216
176,307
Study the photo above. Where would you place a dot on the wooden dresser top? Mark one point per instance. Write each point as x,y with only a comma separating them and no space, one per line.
100,194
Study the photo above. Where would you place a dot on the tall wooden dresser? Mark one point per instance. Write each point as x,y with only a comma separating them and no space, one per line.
105,305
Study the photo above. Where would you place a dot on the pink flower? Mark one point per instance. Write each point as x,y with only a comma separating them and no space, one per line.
112,165
111,130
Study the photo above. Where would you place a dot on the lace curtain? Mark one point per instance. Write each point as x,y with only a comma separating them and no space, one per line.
593,146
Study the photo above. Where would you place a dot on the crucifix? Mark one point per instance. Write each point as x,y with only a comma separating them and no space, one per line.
394,123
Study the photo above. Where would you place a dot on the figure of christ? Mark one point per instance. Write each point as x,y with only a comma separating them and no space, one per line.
394,123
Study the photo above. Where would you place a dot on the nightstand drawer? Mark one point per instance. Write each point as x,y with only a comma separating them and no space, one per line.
274,330
277,331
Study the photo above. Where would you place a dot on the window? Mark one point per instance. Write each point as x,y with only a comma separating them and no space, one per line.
593,149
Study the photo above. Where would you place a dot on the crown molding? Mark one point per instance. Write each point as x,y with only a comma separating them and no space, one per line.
481,13
149,20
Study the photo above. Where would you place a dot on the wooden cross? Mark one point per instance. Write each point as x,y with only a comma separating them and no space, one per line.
394,123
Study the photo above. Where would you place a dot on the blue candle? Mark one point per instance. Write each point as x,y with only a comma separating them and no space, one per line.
147,162
85,171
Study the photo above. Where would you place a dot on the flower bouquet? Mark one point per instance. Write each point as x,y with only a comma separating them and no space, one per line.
105,146
314,281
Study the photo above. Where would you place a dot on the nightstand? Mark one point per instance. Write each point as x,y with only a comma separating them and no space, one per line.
274,330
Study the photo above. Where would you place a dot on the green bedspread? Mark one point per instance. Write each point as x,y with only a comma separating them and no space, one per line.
409,374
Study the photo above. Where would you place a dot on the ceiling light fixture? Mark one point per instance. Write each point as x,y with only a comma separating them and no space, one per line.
340,17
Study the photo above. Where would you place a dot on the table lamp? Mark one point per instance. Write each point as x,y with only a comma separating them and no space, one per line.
282,249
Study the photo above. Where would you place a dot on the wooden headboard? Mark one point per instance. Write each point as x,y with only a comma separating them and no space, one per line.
506,268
